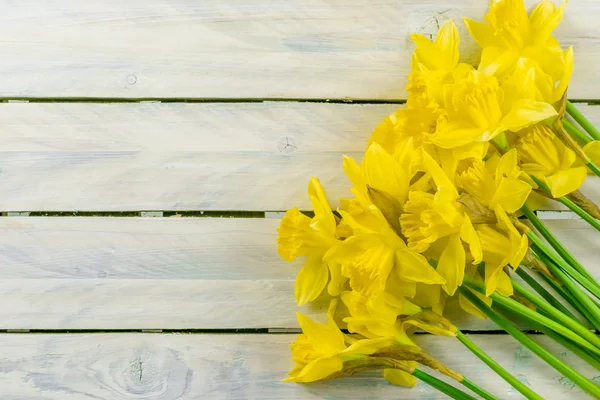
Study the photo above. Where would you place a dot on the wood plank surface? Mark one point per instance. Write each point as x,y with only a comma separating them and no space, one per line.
170,273
177,156
168,367
241,49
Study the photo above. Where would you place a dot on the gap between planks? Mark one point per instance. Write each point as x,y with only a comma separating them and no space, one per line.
542,214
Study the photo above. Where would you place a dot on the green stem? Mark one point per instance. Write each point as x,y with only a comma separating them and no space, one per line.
569,345
580,211
541,352
477,390
594,168
564,253
583,121
539,318
590,285
581,353
442,386
556,315
582,297
543,292
575,133
568,203
504,374
572,301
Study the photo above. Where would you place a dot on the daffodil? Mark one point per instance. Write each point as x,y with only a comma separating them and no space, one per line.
496,182
435,63
429,218
545,156
375,254
478,110
321,351
300,235
509,34
502,245
378,316
529,81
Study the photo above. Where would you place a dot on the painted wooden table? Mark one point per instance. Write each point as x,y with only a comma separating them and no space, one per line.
147,148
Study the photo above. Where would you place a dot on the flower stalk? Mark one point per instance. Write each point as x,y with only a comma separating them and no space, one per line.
581,381
582,121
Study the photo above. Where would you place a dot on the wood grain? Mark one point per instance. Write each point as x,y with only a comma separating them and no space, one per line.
176,156
168,367
241,49
169,273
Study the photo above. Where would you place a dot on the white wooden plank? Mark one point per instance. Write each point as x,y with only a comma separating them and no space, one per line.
175,156
169,273
108,157
241,49
159,366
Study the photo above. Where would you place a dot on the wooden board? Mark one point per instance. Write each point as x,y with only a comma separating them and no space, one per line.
241,49
169,273
232,367
116,157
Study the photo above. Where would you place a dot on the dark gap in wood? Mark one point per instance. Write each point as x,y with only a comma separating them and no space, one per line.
197,100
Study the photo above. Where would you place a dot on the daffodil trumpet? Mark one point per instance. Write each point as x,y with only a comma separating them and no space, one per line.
583,121
578,379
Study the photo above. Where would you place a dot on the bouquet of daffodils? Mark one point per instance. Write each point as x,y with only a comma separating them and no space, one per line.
444,202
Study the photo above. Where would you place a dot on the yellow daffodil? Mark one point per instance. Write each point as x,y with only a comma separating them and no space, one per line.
502,245
545,156
300,235
320,352
436,63
375,253
510,34
431,217
494,183
478,111
529,81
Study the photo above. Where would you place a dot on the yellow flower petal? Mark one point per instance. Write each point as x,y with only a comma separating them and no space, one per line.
544,18
526,113
451,265
505,287
469,235
317,370
497,61
414,267
311,280
482,33
401,378
492,276
592,150
323,338
470,307
337,281
511,194
324,221
566,181
382,172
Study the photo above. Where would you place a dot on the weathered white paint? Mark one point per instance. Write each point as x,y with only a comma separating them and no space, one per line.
241,49
169,273
153,156
232,367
